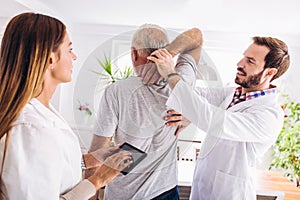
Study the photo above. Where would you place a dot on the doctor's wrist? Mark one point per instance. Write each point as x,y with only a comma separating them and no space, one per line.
173,79
172,74
90,161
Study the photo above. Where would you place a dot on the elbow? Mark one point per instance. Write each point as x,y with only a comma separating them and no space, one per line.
197,35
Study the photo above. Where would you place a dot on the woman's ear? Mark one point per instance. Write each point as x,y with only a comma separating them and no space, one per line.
51,61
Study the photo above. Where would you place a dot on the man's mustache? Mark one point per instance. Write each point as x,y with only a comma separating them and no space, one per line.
241,70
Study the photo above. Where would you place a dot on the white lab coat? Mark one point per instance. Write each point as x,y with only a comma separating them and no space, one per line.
236,138
43,157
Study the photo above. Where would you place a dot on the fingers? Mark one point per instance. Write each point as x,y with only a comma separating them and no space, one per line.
147,72
150,75
159,56
119,160
147,79
110,169
172,112
155,78
178,130
104,152
111,150
161,53
164,62
173,123
153,58
173,118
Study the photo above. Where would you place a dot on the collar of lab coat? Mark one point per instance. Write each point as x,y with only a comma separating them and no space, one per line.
53,118
269,99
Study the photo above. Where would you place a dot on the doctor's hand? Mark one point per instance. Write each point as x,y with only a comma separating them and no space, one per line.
110,169
174,118
150,75
164,62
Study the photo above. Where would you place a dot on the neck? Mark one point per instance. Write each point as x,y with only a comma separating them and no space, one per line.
139,65
260,87
46,95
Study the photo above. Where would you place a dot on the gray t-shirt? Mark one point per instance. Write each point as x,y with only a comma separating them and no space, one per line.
134,113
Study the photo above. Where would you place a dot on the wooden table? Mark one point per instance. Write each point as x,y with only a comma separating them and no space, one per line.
275,181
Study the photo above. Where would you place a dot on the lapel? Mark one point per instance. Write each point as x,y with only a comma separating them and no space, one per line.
229,92
51,115
270,99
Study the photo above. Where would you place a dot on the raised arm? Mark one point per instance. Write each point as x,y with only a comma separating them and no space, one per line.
189,42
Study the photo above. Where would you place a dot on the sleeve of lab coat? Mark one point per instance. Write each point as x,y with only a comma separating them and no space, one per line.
257,124
186,68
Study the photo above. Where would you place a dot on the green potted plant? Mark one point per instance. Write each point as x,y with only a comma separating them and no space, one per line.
286,156
110,73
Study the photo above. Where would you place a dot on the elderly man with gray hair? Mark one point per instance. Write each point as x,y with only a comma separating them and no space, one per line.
132,111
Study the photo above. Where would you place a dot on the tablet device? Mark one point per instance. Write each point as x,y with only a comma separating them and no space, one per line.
137,156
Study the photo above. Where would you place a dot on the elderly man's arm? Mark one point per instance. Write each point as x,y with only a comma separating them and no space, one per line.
188,42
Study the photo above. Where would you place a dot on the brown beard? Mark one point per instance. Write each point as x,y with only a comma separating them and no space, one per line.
251,81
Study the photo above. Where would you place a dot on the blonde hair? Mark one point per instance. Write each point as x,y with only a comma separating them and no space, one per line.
27,42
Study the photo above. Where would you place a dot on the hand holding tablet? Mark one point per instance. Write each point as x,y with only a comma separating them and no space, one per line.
137,156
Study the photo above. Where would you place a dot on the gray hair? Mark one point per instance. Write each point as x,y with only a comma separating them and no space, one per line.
148,38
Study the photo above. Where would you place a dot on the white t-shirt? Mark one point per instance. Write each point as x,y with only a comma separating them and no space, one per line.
134,113
43,157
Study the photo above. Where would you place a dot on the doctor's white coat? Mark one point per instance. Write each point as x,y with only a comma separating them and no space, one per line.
236,137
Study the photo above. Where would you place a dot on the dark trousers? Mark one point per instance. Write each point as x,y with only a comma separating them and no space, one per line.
168,195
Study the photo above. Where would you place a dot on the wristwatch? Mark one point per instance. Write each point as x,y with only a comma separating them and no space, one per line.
83,166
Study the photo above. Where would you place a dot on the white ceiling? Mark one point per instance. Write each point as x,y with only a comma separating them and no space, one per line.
245,16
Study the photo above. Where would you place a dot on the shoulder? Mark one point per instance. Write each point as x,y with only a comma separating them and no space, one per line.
186,59
28,115
36,115
124,85
125,82
266,108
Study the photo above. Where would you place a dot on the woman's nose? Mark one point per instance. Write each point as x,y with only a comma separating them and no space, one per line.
74,57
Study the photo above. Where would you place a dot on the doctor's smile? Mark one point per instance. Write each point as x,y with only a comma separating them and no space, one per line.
241,72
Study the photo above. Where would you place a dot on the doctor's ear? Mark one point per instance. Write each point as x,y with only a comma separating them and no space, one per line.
271,72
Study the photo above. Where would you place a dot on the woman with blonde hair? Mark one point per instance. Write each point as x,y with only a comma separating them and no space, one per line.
40,154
